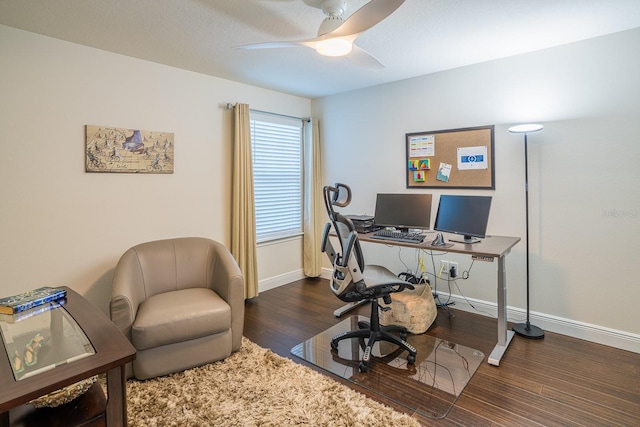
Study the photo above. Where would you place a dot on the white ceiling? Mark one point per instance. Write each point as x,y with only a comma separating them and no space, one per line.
421,37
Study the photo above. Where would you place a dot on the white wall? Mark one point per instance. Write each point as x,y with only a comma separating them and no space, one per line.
62,226
584,176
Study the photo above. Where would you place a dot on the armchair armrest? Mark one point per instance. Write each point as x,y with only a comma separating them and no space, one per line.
228,282
226,277
127,293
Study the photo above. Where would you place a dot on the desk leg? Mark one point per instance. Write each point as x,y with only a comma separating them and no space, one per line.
116,412
504,335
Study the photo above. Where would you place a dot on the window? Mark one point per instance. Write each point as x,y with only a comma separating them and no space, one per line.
277,175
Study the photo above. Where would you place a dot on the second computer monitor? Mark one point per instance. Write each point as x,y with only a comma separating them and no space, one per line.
464,215
403,211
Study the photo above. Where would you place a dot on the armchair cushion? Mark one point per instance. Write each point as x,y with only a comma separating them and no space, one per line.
177,316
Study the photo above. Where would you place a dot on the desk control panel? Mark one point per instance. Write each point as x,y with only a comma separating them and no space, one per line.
482,258
398,236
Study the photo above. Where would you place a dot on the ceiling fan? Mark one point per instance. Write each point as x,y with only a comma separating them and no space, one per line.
336,35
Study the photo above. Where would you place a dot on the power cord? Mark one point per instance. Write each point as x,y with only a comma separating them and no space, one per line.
421,276
453,274
469,302
465,274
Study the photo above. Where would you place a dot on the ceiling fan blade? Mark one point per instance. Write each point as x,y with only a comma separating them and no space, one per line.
312,43
366,17
361,57
276,45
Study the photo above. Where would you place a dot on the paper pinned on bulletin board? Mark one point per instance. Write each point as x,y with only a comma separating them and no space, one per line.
418,176
472,158
422,146
444,171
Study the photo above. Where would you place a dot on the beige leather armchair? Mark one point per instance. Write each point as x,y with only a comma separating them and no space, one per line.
180,302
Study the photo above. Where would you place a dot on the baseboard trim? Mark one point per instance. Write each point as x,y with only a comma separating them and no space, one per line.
283,279
573,328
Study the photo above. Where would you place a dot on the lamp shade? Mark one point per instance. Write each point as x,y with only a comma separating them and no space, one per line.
530,127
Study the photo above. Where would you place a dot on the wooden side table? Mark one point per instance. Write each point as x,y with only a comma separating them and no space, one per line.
112,352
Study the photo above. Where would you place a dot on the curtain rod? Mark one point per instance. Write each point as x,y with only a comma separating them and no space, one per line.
230,106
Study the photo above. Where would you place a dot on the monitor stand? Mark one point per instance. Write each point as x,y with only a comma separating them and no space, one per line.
466,239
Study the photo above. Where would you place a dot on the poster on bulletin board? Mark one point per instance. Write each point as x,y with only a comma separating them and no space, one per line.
454,158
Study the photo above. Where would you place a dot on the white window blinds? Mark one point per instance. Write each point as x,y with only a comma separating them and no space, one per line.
277,175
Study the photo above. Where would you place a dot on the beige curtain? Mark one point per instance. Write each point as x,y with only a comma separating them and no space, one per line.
313,204
243,217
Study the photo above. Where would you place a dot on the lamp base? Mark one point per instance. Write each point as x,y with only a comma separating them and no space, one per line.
527,330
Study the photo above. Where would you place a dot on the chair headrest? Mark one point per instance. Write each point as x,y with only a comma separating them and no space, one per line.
337,195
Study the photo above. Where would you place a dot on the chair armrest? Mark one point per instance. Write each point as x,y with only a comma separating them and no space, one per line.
226,278
127,293
326,245
352,238
325,237
228,282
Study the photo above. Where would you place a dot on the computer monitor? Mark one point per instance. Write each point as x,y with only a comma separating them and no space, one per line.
464,215
403,211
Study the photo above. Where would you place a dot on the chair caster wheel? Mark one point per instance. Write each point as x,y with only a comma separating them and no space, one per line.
403,335
411,359
363,367
334,345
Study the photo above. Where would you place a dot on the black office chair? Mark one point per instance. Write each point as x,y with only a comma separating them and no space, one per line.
353,281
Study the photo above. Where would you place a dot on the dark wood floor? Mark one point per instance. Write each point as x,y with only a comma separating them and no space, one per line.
556,381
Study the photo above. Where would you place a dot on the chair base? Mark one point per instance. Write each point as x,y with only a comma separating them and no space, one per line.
374,332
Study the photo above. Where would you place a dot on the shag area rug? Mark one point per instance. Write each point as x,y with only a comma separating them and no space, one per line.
254,387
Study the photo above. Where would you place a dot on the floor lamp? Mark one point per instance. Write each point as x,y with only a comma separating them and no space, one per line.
526,329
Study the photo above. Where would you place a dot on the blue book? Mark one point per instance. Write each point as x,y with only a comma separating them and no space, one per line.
27,300
32,312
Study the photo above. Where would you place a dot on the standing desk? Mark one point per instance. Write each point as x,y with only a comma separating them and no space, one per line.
488,249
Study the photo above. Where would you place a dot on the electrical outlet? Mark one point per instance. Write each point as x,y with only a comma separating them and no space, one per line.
453,265
444,267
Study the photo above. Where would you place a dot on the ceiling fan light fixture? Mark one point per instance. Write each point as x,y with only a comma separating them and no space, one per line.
334,47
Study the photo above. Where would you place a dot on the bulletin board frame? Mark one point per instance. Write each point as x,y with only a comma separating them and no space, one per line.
461,158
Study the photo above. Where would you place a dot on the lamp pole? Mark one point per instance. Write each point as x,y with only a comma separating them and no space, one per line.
527,330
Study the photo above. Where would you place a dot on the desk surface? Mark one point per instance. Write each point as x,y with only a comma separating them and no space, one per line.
490,246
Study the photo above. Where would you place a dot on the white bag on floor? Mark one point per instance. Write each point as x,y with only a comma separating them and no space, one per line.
414,309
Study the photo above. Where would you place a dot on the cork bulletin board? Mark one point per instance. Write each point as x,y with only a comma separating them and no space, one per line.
454,158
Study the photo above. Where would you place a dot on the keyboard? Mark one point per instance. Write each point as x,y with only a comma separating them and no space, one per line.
398,236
